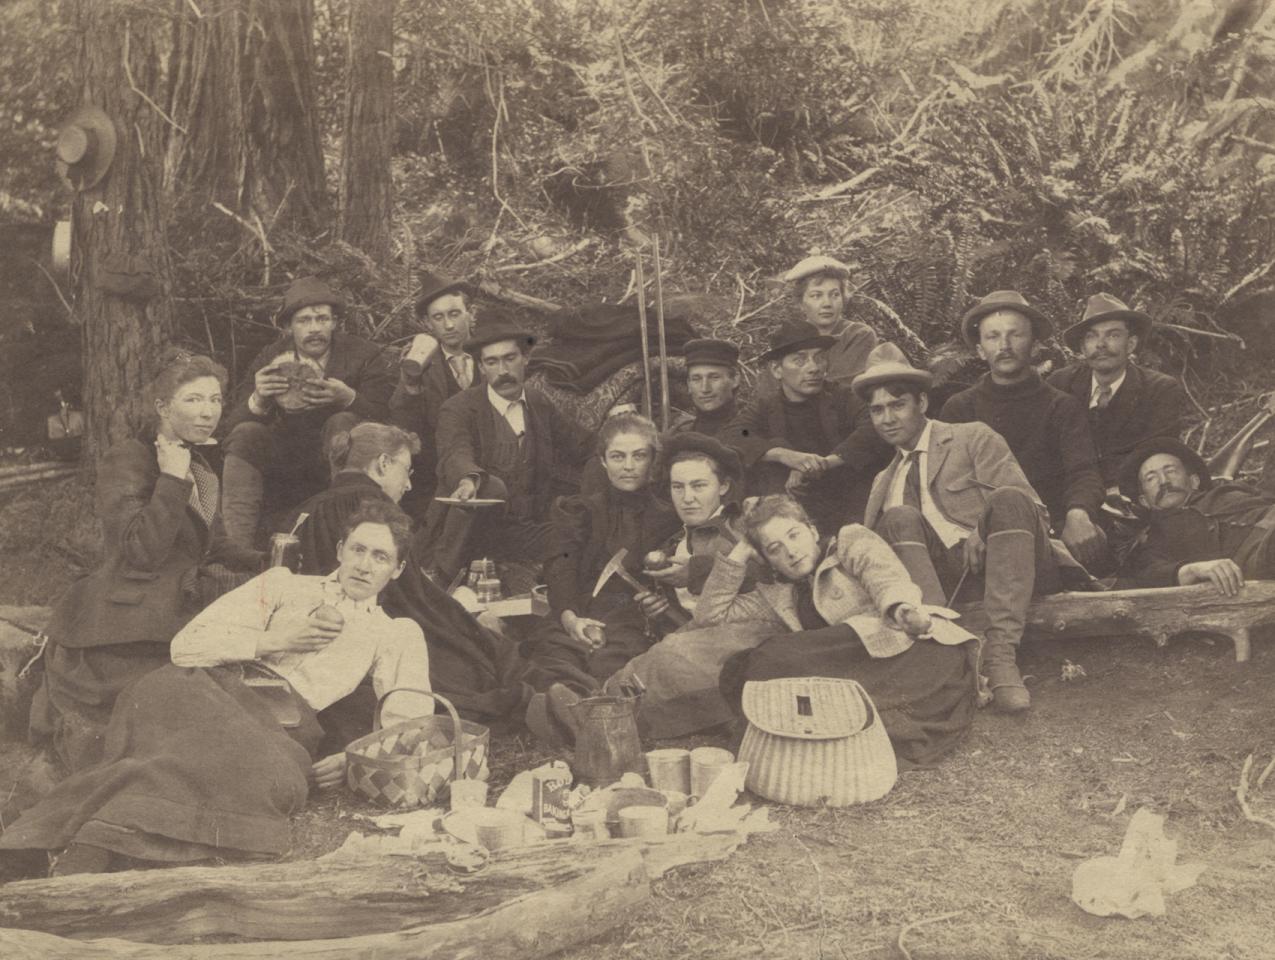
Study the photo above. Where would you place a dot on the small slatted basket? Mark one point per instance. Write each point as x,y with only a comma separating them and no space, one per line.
408,764
814,740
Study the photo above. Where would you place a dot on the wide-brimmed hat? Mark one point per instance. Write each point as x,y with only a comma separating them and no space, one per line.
794,335
307,292
435,285
498,332
888,364
1129,483
727,459
1004,300
1103,306
86,147
816,264
721,353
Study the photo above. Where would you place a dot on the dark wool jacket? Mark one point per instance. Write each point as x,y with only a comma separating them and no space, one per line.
146,587
760,426
356,362
1229,520
481,672
466,438
418,412
580,550
710,424
1048,433
1148,404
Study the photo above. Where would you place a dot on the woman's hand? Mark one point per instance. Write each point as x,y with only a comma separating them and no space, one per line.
676,574
590,634
652,604
743,551
912,621
173,457
328,772
297,635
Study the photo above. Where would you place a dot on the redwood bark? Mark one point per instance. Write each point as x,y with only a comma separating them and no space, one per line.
121,221
367,190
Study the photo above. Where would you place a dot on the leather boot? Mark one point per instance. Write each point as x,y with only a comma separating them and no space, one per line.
1010,578
242,489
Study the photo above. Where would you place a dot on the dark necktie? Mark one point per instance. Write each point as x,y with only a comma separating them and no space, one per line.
912,485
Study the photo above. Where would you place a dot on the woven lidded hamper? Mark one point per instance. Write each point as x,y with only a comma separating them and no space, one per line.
813,740
408,764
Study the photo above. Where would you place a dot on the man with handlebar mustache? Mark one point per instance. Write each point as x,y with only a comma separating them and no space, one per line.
500,440
1197,531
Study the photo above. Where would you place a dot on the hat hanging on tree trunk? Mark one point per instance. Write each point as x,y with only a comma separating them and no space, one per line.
85,147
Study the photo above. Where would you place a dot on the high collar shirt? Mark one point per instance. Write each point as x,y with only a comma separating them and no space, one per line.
514,411
391,650
1096,388
950,533
682,553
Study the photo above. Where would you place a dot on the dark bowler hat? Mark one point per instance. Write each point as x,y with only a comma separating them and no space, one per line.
1004,300
888,364
727,460
306,292
1103,306
795,335
499,331
721,353
435,285
1129,484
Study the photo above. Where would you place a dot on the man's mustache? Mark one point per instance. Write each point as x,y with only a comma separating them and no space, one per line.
1166,490
503,379
1006,355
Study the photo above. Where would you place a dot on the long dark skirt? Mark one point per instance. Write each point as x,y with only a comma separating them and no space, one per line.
73,704
925,695
194,766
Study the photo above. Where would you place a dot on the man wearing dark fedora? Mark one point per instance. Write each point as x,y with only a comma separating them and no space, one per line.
500,440
311,383
712,379
1046,429
811,439
435,366
1198,531
1126,403
960,514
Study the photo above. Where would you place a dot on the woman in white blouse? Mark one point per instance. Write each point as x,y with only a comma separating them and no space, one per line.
212,754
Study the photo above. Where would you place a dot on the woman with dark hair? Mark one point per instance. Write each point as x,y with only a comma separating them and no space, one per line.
600,634
210,755
166,557
844,607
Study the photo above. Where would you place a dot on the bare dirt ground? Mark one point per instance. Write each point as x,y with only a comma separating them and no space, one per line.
984,846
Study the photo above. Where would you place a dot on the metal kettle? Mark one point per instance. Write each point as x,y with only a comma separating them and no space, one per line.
607,741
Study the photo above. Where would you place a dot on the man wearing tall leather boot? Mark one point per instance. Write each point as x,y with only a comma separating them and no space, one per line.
310,384
959,512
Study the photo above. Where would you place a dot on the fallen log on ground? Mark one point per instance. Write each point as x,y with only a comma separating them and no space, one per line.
527,903
1157,614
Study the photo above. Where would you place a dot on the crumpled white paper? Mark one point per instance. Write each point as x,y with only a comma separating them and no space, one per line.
1135,883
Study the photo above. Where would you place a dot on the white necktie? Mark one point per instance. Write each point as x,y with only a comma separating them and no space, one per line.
460,370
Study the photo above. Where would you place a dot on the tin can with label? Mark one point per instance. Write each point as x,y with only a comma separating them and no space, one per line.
285,551
550,802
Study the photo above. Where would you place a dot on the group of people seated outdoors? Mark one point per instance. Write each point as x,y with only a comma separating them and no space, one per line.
821,523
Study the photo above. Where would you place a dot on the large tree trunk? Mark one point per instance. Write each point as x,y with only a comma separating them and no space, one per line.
285,160
122,271
367,195
243,91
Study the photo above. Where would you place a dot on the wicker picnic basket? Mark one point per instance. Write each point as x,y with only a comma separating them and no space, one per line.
815,739
408,764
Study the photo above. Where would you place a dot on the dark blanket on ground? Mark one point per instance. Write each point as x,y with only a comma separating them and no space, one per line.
194,766
591,343
482,673
925,695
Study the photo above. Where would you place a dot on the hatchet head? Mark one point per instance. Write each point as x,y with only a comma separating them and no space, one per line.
614,566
